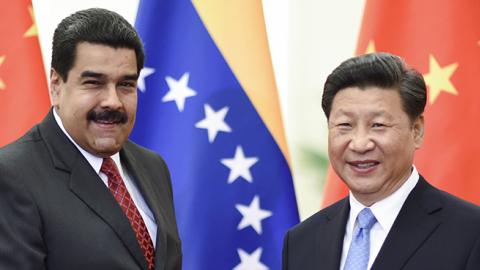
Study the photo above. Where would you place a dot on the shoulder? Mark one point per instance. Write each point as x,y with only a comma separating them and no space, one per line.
149,160
21,164
452,209
23,149
313,223
141,152
460,208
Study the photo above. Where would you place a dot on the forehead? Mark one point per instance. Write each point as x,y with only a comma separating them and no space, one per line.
104,59
371,100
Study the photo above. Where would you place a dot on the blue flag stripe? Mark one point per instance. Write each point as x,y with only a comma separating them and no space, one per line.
212,228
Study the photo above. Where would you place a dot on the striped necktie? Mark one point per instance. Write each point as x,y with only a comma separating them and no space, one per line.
119,191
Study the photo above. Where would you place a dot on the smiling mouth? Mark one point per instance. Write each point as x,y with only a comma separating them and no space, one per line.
106,122
106,125
363,167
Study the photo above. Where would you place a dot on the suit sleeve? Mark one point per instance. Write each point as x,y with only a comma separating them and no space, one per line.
473,262
175,255
21,243
168,177
285,252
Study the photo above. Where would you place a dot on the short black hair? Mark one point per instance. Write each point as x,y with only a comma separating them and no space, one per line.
381,70
97,26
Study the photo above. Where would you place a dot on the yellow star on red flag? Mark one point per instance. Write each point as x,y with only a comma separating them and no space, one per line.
32,31
370,47
438,79
2,84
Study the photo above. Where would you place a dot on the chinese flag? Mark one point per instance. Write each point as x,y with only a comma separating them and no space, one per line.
441,39
24,97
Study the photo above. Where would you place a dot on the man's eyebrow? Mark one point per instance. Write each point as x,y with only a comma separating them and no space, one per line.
93,74
132,77
383,113
342,112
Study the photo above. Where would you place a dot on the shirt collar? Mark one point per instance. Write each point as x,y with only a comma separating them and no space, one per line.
94,161
386,210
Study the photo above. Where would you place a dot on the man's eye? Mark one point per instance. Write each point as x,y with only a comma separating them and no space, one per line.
344,125
378,125
91,82
128,84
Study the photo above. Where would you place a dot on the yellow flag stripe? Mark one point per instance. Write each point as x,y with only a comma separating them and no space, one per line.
238,29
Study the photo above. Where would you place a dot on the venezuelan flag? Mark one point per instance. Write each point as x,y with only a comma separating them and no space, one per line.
208,104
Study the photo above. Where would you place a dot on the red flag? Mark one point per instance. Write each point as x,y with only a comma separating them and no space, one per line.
24,97
441,39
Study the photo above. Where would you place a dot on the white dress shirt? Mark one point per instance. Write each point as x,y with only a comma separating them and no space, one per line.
96,163
385,211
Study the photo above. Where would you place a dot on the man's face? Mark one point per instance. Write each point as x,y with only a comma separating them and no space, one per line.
98,101
371,141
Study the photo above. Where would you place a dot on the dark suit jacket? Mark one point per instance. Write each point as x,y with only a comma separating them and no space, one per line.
56,213
433,231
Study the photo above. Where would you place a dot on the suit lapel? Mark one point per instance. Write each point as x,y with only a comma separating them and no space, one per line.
86,184
329,239
88,187
142,180
414,224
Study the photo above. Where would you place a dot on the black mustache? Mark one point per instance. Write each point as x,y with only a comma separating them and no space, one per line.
108,115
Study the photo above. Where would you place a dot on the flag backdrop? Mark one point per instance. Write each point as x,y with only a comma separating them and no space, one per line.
24,97
441,39
208,105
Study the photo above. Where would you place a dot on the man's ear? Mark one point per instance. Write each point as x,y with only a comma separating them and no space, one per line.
55,86
418,131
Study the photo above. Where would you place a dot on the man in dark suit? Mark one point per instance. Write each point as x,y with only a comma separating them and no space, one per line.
393,219
75,193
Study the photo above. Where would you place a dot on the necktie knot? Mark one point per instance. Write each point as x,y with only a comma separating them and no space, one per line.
366,219
110,170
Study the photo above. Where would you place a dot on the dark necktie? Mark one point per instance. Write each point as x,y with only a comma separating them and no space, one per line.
121,194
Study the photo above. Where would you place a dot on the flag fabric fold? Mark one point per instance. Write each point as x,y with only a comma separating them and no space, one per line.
232,185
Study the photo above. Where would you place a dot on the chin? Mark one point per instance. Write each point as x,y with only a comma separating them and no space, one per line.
360,186
106,150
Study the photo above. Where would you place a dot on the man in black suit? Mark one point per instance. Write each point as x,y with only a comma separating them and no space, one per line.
393,219
75,193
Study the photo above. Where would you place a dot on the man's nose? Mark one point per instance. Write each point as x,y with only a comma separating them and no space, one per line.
111,99
361,141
